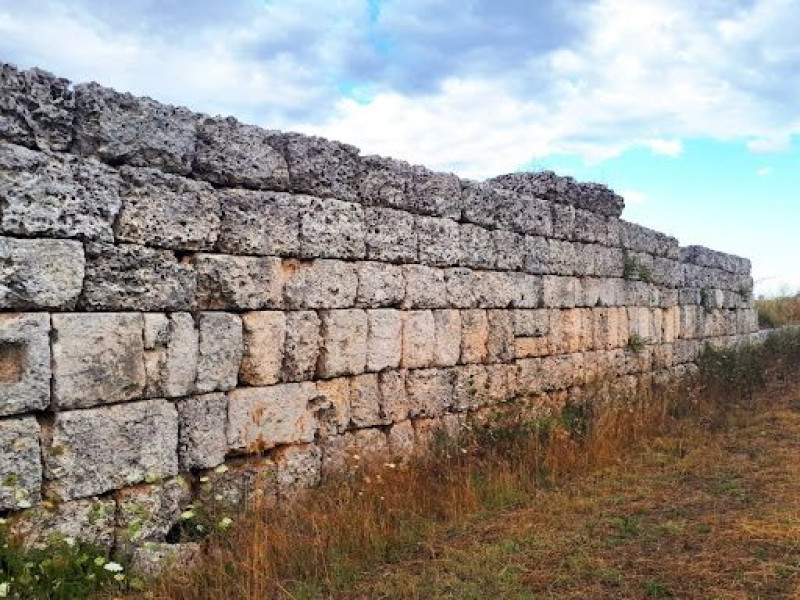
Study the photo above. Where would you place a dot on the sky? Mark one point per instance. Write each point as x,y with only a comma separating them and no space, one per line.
689,109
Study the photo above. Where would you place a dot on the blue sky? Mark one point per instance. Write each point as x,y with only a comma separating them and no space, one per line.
690,109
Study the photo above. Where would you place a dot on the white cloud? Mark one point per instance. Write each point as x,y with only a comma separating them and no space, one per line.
764,171
672,148
633,197
769,145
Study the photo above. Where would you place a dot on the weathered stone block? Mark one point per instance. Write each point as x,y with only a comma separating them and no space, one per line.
509,250
330,228
167,211
344,343
531,323
238,282
365,401
500,342
429,391
570,330
122,129
128,277
24,362
36,108
474,336
563,221
320,284
348,452
636,238
608,262
261,223
264,336
99,449
394,399
298,467
380,284
461,286
501,382
590,227
535,255
470,387
40,273
385,339
232,154
525,290
561,292
201,424
439,241
57,195
147,513
419,339
171,351
488,205
498,289
391,235
437,194
562,258
562,371
302,345
91,521
447,328
400,439
425,287
331,406
477,247
640,323
219,351
261,418
97,359
20,463
532,347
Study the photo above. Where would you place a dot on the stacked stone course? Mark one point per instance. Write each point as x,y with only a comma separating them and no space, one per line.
183,292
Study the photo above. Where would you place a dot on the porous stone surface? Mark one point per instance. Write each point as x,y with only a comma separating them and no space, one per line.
330,228
201,426
380,284
24,362
146,513
384,339
261,223
226,282
302,345
170,357
429,392
320,284
391,235
344,343
263,342
219,351
20,463
419,339
91,520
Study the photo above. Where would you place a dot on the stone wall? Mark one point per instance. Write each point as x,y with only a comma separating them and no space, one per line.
183,293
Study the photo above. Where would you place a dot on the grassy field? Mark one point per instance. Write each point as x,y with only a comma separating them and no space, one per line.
776,312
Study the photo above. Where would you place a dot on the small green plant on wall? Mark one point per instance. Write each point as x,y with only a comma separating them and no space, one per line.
633,269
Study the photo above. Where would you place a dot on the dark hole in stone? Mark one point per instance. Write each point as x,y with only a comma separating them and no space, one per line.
13,356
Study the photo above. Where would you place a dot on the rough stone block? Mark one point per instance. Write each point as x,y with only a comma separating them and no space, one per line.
498,289
344,343
436,194
320,284
509,250
348,452
531,323
57,195
447,328
219,351
122,129
298,467
640,323
608,262
425,287
365,401
562,371
264,336
501,383
36,108
525,290
24,362
40,273
232,154
561,292
330,228
167,211
201,424
238,282
461,287
171,351
536,255
147,513
400,438
391,235
477,249
429,392
385,339
380,284
261,223
474,336
394,399
261,418
331,406
532,347
488,205
470,387
570,330
302,345
419,339
20,463
500,343
636,238
90,521
99,449
562,258
439,242
563,221
97,359
128,277
590,227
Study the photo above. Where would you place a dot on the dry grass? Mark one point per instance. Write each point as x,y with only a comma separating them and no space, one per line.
777,312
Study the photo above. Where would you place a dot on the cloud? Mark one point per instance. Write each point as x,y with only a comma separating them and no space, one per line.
633,197
662,147
764,171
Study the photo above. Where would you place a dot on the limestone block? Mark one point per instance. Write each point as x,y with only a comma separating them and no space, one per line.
430,392
531,347
608,262
531,322
40,273
640,323
438,434
20,463
320,284
474,336
585,255
219,351
97,359
663,356
561,292
170,363
385,339
128,277
90,521
56,195
671,324
641,239
36,108
686,351
563,221
419,339
388,183
147,513
320,167
501,382
590,227
509,250
238,484
238,282
500,344
24,362
425,287
331,228
562,258
400,439
489,206
437,194
639,361
526,291
639,293
167,211
461,288
365,401
201,424
122,129
447,331
439,242
261,223
562,371
497,289
302,345
380,284
391,235
262,418
298,467
477,249
705,257
344,343
348,452
232,154
570,330
470,387
99,449
536,255
394,399
690,322
264,336
530,377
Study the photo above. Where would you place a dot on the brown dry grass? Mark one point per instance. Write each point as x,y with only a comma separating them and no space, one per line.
777,312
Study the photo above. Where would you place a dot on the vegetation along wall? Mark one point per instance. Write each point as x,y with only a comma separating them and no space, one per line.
181,292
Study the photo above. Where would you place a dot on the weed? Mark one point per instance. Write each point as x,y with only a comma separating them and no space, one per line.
634,270
636,343
657,589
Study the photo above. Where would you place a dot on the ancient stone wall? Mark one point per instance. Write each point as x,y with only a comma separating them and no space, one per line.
182,293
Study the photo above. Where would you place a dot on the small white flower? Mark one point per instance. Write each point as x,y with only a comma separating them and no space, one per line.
24,504
5,587
390,465
3,521
225,522
204,479
187,514
113,567
69,541
119,577
221,469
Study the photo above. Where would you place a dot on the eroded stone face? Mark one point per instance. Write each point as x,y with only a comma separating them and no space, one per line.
261,223
320,284
429,391
330,228
391,235
439,241
98,358
264,338
447,327
171,359
20,463
146,513
220,351
419,339
344,343
425,287
89,520
380,284
474,336
302,345
201,442
24,362
238,282
385,340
